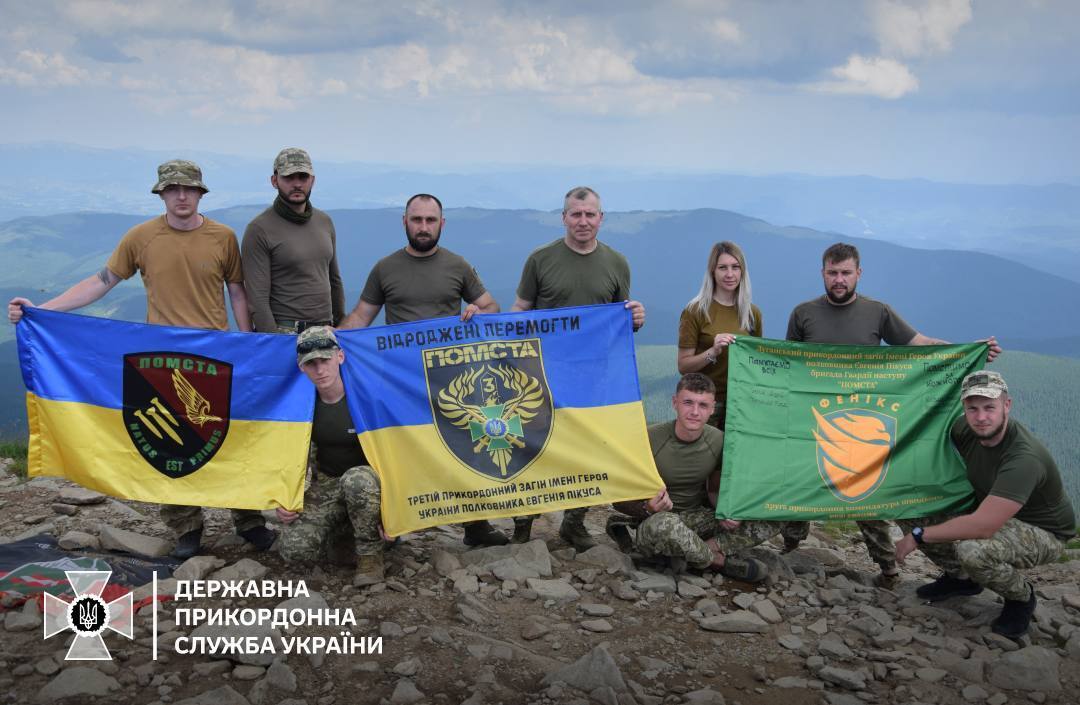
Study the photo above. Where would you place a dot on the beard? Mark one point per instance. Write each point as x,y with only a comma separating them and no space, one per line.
840,300
423,245
992,432
285,196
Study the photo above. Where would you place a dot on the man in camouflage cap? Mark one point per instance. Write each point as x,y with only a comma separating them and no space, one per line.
342,504
187,261
1022,519
290,254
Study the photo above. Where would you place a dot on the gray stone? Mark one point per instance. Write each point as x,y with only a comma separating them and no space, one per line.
78,682
512,569
826,556
594,610
534,630
790,682
655,582
687,589
974,694
223,695
69,510
411,666
596,669
257,631
1071,600
113,539
790,641
471,610
467,584
897,636
558,590
600,626
999,699
708,607
819,627
80,496
744,600
247,673
243,569
705,696
212,668
76,540
971,670
741,622
391,630
406,693
832,646
1031,668
26,619
197,567
608,558
280,677
845,678
996,641
445,563
766,609
930,675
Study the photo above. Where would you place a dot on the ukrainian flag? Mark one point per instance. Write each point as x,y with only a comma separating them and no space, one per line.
504,415
163,414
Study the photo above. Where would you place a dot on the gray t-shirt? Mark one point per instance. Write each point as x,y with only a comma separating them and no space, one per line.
414,288
862,322
555,276
685,467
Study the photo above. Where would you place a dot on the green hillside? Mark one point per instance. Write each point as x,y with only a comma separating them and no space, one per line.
1045,391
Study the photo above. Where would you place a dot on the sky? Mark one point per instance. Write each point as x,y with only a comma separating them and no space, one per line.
947,90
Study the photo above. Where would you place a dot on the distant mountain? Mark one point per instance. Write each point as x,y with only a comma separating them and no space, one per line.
943,293
1034,225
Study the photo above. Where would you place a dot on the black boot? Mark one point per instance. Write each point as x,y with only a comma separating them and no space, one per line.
259,536
619,532
481,533
1015,617
522,530
573,531
187,545
947,586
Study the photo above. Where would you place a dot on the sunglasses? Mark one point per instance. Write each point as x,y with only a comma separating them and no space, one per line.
312,345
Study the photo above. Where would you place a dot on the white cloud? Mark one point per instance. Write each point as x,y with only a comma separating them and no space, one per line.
36,68
875,76
912,30
724,30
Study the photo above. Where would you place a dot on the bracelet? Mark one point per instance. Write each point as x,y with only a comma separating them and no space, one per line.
710,356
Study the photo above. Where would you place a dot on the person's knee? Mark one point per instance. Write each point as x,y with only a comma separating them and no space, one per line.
294,548
360,481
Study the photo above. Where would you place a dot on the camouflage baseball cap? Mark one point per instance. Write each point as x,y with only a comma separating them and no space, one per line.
179,172
314,342
983,384
292,160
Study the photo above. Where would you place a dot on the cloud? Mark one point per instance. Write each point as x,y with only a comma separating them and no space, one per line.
875,76
913,30
36,68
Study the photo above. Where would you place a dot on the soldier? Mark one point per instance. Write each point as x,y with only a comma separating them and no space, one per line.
1023,517
424,280
680,522
842,317
184,258
342,504
575,270
290,255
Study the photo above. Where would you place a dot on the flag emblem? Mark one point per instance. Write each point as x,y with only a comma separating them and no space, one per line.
854,447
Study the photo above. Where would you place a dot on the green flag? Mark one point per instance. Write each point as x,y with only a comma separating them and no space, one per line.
843,431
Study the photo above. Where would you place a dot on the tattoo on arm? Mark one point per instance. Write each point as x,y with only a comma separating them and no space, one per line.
106,276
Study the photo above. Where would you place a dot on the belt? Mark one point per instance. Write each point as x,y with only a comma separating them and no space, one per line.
300,326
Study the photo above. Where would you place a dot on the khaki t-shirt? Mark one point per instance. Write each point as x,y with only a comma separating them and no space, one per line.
414,288
183,271
336,446
555,276
862,322
697,334
685,467
1019,468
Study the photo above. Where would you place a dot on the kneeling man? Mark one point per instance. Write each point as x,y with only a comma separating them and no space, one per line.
1023,517
343,502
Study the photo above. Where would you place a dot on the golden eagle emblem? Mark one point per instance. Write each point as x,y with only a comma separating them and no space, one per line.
196,405
853,451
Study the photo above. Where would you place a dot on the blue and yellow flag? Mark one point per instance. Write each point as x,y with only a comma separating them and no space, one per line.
843,431
162,414
504,415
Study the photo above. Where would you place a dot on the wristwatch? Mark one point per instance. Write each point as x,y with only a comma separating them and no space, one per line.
916,534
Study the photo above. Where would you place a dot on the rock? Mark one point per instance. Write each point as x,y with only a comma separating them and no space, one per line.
608,558
69,510
471,610
280,677
1071,600
534,630
766,609
26,619
744,600
76,540
790,641
930,675
998,699
198,567
595,610
705,696
996,641
445,563
708,607
256,631
1031,668
511,569
406,693
213,668
314,601
974,694
80,496
600,626
467,584
655,582
687,589
741,622
624,591
247,673
897,636
832,646
826,556
819,627
243,569
410,667
223,695
971,670
558,590
78,682
790,682
113,539
47,666
852,680
596,669
391,630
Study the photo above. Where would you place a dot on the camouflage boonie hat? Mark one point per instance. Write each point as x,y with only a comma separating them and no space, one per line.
179,172
315,342
292,160
983,384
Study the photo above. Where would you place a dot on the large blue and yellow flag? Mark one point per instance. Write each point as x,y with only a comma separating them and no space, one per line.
505,415
162,414
843,431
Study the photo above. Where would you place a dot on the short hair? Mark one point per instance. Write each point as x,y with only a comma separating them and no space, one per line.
840,252
424,196
580,193
697,383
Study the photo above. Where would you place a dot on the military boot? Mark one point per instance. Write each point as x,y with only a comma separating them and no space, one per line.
369,570
573,531
482,533
522,530
619,532
1015,617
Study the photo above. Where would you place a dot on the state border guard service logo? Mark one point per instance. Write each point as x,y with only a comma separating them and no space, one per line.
176,408
491,404
854,447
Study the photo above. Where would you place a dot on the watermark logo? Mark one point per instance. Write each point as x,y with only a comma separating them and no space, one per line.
88,615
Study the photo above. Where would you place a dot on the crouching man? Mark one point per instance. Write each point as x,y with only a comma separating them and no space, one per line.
680,522
1023,517
342,504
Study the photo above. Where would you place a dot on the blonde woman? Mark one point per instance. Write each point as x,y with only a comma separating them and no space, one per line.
720,311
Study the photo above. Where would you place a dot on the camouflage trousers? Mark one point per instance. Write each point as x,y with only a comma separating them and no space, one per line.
993,562
182,519
338,511
570,516
876,534
683,534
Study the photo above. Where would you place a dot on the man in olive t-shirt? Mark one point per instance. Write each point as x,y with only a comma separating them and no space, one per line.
422,281
1022,519
575,270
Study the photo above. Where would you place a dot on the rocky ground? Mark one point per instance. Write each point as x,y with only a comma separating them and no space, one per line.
540,624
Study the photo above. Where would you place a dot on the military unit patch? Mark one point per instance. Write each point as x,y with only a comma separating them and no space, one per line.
854,447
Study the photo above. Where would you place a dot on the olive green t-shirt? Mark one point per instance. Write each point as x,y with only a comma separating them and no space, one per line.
685,467
414,288
1019,468
697,334
555,276
864,321
336,446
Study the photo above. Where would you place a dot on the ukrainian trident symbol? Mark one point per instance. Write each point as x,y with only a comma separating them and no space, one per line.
88,615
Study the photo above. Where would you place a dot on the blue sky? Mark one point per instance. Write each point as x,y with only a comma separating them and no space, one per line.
950,90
